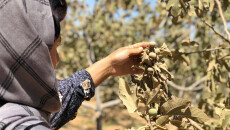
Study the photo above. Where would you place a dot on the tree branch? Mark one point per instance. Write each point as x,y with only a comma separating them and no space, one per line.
211,49
191,87
88,106
214,30
146,117
110,103
222,18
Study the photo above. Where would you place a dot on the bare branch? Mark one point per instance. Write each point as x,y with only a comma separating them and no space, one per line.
211,49
91,55
88,106
110,103
222,18
146,117
190,88
214,30
98,99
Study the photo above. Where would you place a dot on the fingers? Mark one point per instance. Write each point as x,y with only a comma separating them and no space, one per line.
136,71
141,44
135,51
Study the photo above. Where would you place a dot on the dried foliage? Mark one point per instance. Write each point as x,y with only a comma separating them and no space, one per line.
149,96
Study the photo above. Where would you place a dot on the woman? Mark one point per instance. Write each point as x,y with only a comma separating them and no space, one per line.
29,92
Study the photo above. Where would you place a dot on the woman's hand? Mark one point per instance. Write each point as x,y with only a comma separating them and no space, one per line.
117,63
124,58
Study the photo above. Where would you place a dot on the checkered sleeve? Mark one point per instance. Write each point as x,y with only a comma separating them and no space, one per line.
72,95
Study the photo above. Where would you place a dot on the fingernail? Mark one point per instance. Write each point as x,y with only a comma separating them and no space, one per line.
141,48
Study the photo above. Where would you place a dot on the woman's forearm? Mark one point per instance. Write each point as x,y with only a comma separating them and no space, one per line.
100,71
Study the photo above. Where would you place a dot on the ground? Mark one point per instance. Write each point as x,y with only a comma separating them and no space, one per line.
114,118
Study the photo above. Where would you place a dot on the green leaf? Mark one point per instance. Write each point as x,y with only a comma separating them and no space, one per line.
128,95
174,105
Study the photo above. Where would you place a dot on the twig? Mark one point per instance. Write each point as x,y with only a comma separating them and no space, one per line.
194,124
91,55
223,57
181,92
190,88
149,122
212,49
89,106
222,18
219,34
183,5
110,103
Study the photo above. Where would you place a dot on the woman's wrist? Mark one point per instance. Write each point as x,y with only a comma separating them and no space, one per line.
100,70
109,65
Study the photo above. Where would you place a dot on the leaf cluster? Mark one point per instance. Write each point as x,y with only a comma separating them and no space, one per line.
149,96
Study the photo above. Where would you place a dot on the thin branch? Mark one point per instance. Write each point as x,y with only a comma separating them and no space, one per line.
183,5
146,117
211,49
219,34
222,57
194,124
222,18
181,92
91,54
190,88
110,103
88,106
98,99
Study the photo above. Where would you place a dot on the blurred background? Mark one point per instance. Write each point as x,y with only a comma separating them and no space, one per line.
93,29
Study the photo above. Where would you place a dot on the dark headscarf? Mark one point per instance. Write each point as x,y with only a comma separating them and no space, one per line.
59,9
